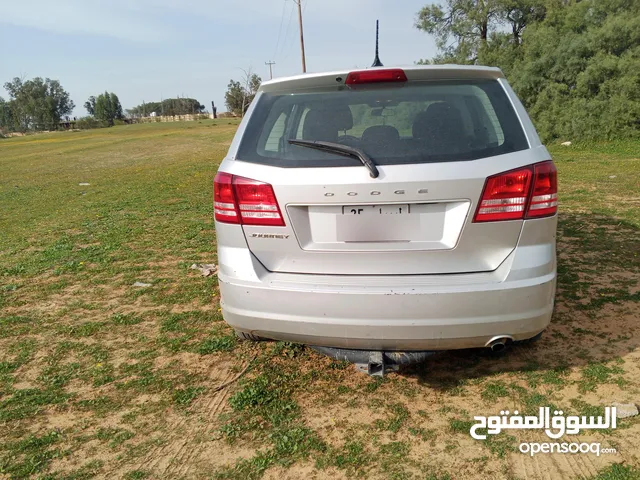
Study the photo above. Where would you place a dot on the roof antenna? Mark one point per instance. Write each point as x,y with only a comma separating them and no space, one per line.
376,61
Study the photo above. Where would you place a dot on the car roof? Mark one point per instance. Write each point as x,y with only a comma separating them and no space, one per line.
413,72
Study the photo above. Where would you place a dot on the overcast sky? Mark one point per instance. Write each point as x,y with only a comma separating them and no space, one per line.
153,49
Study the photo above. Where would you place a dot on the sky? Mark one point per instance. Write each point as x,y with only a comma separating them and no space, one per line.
146,50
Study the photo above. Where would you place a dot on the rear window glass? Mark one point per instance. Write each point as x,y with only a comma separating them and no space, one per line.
418,122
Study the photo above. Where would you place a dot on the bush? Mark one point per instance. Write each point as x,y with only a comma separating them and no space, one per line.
579,74
574,64
85,123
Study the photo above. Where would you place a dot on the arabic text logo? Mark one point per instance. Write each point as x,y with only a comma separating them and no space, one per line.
554,426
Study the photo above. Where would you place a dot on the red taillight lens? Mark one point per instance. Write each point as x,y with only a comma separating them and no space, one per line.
224,200
257,202
529,192
504,196
376,76
544,199
245,201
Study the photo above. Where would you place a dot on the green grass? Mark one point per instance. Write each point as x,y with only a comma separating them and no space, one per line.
129,373
596,374
114,437
264,411
618,471
30,455
600,179
351,457
397,416
493,390
460,426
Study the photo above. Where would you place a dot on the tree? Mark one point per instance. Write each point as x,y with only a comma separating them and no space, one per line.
240,95
37,104
169,106
461,27
575,64
6,120
467,30
106,107
145,109
181,106
90,105
234,97
579,72
520,13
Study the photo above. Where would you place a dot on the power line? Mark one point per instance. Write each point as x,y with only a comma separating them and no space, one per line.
286,33
284,6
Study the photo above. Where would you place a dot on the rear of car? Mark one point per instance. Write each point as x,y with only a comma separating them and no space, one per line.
450,243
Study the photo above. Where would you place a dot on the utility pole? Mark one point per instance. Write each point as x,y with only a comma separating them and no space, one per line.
304,63
270,72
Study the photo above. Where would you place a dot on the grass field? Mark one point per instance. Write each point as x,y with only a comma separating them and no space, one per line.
99,378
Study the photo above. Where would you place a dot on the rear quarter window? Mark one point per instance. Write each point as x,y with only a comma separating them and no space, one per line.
419,122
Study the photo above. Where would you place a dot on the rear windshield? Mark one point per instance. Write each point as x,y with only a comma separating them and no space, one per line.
418,122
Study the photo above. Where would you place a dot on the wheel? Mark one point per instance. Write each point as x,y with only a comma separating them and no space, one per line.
249,337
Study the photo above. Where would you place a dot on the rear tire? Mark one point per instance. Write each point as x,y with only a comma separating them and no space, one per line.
249,337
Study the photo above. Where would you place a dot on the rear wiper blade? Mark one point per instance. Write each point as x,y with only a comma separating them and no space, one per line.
339,149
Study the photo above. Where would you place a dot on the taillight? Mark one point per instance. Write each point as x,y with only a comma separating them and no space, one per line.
544,199
510,195
257,202
504,196
245,201
376,76
224,200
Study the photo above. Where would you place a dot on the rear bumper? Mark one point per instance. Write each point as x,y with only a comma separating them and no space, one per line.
421,320
429,312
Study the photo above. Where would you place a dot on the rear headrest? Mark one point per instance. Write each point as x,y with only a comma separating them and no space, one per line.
440,118
380,135
324,123
343,117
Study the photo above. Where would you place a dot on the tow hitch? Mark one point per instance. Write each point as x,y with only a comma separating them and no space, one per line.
374,362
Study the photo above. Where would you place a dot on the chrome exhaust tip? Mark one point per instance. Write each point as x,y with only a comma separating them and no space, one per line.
499,344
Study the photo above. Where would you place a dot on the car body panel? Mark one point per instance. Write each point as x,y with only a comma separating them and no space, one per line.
429,279
482,248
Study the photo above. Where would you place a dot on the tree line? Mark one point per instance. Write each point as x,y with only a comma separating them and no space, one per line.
35,104
168,106
575,64
42,104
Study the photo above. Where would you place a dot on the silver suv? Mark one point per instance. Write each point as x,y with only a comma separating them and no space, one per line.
387,210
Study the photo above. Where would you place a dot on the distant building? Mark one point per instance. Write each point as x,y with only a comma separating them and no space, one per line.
153,114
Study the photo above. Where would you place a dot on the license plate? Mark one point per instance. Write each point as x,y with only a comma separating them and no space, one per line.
376,210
